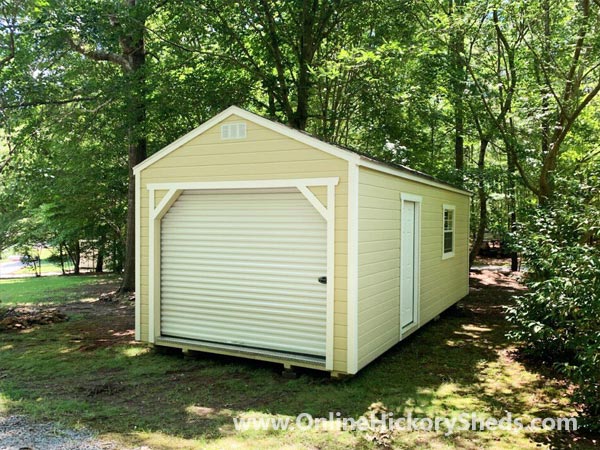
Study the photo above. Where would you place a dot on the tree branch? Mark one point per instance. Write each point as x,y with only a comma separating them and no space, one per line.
11,48
47,102
98,55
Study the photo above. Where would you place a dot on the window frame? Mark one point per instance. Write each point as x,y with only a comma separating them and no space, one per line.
450,254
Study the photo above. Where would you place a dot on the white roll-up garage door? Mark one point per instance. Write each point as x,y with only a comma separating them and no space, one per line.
243,268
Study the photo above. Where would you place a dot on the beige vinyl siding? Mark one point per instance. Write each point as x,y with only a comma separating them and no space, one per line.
264,154
442,282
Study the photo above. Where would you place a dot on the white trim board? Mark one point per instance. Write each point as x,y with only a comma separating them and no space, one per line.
246,184
157,212
417,200
352,324
299,136
138,260
448,255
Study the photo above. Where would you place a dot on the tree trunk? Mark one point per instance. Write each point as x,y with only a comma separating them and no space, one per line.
305,56
100,261
137,146
457,85
512,207
76,258
62,259
137,153
545,93
482,196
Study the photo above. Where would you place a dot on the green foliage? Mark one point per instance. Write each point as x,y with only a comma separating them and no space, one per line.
557,320
401,80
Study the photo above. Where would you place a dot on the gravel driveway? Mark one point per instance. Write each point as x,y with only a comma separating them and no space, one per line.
17,433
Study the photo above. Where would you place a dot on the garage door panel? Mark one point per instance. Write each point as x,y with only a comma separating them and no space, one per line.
242,268
232,319
251,285
292,344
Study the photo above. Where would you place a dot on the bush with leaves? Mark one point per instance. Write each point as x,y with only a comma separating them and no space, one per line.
557,320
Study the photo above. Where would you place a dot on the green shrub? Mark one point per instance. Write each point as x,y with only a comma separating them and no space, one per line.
558,320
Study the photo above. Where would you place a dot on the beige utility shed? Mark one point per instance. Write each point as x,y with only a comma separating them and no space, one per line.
257,240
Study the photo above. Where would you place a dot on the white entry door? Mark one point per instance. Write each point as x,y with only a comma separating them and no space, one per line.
408,264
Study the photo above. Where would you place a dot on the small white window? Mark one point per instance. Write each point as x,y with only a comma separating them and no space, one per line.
233,131
448,231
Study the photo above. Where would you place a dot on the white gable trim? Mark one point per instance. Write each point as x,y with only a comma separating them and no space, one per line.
251,117
299,136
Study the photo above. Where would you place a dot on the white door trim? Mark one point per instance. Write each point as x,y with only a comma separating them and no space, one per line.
417,200
156,212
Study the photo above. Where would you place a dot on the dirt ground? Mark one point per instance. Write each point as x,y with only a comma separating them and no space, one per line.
110,317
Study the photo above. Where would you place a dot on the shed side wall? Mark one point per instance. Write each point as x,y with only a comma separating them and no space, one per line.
442,282
263,154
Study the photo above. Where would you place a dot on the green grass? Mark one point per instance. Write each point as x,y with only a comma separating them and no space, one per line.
88,372
47,267
50,289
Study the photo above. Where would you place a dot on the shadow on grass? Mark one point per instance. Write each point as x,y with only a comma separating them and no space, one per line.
89,372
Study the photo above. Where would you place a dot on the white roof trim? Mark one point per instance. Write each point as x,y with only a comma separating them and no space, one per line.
382,167
251,117
333,150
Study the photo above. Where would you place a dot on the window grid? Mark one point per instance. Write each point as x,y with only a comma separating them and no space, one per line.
448,231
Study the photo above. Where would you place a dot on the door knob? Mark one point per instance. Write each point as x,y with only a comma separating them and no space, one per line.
323,280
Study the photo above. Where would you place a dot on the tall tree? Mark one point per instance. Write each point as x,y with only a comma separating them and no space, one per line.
494,77
563,48
126,26
277,42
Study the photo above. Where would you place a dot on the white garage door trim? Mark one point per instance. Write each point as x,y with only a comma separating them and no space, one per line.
175,189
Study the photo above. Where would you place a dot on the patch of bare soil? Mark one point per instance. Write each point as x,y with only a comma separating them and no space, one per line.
108,318
490,261
109,321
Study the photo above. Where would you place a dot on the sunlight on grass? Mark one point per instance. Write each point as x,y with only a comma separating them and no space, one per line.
6,403
131,352
47,268
50,289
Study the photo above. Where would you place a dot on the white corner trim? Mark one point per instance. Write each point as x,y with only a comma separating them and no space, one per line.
352,332
449,255
468,249
314,201
163,206
138,260
151,273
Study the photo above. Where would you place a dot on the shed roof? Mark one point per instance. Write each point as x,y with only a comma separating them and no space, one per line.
346,153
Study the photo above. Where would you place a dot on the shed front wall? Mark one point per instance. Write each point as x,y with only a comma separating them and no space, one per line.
442,281
262,155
